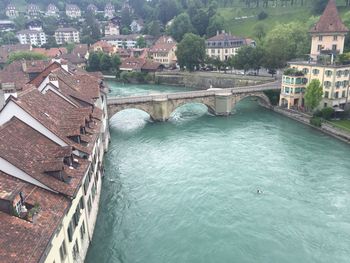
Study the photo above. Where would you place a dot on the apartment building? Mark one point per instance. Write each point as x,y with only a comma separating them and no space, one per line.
327,38
11,11
32,37
67,35
73,11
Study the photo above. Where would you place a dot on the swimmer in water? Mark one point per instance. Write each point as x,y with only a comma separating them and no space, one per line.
258,191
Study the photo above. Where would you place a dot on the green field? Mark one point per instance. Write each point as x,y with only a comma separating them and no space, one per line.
276,15
343,124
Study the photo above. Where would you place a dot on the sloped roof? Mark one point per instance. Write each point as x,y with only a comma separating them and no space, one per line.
330,21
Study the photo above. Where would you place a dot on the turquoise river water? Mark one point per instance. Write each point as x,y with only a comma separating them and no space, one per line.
186,190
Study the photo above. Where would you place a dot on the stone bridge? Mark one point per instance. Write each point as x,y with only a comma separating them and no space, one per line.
220,102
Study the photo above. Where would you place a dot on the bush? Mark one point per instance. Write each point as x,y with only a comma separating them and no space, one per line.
316,121
327,113
262,15
273,95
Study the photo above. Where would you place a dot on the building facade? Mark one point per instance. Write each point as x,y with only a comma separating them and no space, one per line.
327,38
112,29
32,37
163,51
73,11
33,10
224,45
11,11
67,35
52,10
109,11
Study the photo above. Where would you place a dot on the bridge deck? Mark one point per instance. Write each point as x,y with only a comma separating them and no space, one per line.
192,94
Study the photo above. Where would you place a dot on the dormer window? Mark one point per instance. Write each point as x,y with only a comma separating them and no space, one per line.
82,130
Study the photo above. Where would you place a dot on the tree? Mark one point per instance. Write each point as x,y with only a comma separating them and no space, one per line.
200,21
27,55
8,38
313,94
116,62
141,42
318,6
105,62
180,26
190,51
154,28
167,10
284,42
216,24
94,62
248,58
260,30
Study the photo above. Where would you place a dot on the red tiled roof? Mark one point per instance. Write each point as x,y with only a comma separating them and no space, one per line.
23,241
51,52
224,37
330,21
36,155
163,44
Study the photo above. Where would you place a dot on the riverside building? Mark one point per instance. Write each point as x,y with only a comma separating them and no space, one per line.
53,136
327,43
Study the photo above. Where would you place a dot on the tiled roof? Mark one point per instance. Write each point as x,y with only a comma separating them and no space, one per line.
66,29
224,37
23,241
330,21
51,52
37,156
163,44
71,7
80,49
6,50
139,64
73,58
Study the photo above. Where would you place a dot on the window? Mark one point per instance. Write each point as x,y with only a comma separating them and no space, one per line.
337,84
82,230
335,38
334,47
343,94
286,90
315,71
319,47
63,251
326,94
89,204
76,250
327,84
346,73
305,70
320,38
336,95
339,73
328,73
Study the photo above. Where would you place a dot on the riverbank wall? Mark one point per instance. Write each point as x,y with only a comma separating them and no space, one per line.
206,80
305,119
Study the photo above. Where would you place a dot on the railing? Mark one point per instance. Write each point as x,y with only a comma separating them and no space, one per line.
192,94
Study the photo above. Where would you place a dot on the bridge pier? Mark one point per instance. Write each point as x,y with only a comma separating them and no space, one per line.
223,104
160,110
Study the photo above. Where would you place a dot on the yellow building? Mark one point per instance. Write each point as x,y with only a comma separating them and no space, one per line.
327,42
225,45
164,50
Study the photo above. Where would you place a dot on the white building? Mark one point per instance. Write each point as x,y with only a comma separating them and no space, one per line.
112,29
11,11
136,26
52,10
33,10
32,37
109,11
122,41
67,35
73,11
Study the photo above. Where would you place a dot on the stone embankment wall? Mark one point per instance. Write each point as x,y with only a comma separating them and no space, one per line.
305,119
205,80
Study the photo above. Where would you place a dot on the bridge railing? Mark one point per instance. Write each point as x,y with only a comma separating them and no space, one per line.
191,94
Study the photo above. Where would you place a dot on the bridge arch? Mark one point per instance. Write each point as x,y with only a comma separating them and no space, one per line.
208,102
262,98
114,109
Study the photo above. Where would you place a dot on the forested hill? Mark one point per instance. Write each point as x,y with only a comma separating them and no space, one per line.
240,17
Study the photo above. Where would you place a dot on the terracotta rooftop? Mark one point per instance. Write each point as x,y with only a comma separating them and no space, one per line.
40,157
224,37
24,241
330,21
163,44
51,52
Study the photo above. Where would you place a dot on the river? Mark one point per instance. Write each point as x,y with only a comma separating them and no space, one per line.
186,190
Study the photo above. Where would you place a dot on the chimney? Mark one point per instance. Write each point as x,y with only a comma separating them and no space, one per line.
24,66
217,32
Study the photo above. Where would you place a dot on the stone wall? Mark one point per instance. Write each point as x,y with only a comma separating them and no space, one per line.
205,80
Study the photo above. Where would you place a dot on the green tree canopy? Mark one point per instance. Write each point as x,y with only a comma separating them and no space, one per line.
191,51
313,94
248,58
180,26
216,23
27,55
141,42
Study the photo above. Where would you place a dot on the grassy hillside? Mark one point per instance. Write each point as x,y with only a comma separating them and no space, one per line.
277,15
